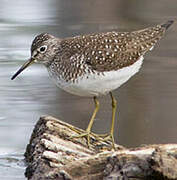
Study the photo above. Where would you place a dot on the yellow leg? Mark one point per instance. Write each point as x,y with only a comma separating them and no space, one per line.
88,130
110,135
114,106
97,105
100,137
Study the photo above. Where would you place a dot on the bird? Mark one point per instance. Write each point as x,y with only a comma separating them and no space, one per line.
94,65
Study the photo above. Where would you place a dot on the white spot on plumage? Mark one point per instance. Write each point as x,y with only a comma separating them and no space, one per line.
151,48
107,53
113,54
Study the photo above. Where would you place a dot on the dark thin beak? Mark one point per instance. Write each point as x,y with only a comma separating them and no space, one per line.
25,65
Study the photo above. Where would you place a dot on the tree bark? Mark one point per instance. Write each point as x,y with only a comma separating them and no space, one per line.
53,154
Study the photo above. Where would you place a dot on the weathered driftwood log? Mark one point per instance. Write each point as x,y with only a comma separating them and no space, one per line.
52,154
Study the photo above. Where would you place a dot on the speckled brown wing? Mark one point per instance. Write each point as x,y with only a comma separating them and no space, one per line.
117,50
109,51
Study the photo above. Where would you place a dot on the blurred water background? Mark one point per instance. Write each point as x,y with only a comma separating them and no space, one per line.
147,104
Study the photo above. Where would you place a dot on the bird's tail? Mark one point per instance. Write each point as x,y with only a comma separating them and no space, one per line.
167,24
147,38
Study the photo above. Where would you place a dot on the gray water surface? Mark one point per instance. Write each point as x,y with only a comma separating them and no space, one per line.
147,104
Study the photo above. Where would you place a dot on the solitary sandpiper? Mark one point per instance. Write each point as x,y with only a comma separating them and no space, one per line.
95,64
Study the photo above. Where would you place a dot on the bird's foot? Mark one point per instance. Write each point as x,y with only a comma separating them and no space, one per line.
93,136
106,137
84,134
87,134
110,137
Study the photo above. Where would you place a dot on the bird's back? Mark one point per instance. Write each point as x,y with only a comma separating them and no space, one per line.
112,50
103,61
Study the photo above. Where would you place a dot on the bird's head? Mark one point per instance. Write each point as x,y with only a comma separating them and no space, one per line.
43,50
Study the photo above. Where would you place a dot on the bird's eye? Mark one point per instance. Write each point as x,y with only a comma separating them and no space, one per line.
42,49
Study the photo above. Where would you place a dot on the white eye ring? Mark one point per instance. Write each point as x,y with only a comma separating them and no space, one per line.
43,49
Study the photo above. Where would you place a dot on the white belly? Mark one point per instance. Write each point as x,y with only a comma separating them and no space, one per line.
96,85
